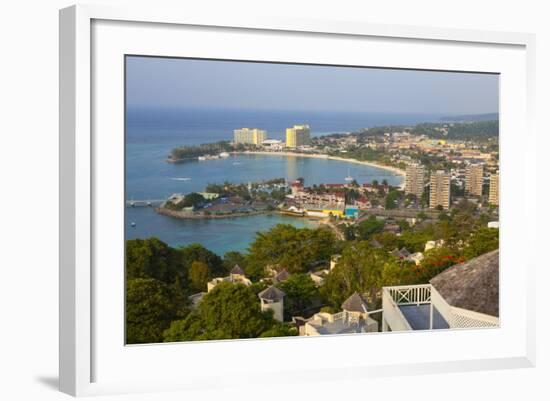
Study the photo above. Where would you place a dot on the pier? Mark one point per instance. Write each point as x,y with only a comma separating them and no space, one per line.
145,203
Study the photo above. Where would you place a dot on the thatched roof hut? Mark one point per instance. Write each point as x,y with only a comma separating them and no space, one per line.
473,285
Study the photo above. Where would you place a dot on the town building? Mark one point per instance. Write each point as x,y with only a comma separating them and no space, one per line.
251,136
324,210
474,179
414,179
494,189
236,276
465,295
272,298
299,135
296,188
273,144
440,190
354,318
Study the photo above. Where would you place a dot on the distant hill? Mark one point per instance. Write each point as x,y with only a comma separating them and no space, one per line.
472,117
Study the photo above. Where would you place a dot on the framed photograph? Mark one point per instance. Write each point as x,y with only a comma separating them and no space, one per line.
290,200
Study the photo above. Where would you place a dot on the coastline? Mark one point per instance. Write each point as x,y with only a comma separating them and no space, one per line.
192,216
395,170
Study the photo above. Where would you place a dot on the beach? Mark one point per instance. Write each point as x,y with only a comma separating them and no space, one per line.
394,170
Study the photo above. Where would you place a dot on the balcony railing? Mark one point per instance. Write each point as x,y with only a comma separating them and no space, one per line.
396,299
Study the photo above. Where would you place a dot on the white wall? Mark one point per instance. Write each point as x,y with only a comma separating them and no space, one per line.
28,165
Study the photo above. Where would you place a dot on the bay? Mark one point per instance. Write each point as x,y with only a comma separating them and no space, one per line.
151,134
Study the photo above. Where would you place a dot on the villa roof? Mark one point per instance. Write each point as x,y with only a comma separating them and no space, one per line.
473,285
272,293
355,303
282,275
397,253
405,252
237,270
375,244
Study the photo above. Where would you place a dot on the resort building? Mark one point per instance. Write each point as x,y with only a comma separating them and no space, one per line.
474,179
494,189
354,318
299,135
440,190
318,277
272,298
414,179
236,276
465,295
273,144
252,136
296,188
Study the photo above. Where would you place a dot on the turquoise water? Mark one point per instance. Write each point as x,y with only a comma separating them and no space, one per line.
151,135
218,235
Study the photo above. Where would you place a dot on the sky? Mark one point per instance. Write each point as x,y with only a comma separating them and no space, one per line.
190,83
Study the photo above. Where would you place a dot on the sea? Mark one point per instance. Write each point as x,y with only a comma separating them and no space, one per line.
152,133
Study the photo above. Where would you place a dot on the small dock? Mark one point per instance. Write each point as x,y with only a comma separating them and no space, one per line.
144,203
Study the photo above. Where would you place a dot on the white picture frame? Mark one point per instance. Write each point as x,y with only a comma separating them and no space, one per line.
82,345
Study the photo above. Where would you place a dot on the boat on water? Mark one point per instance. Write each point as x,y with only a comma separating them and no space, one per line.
181,178
349,177
208,157
224,155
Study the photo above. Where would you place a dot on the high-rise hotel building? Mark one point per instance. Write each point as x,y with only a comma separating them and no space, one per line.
252,136
297,136
414,179
440,189
474,179
494,189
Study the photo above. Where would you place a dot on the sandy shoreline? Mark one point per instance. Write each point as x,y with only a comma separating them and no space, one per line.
395,170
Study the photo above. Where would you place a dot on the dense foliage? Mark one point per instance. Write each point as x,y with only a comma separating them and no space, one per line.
160,278
191,152
150,307
365,269
300,294
297,249
228,311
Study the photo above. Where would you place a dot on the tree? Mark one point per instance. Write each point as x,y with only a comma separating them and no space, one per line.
193,200
300,292
482,241
228,311
388,240
232,258
359,269
436,260
150,307
198,275
197,252
297,249
368,227
150,258
392,199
